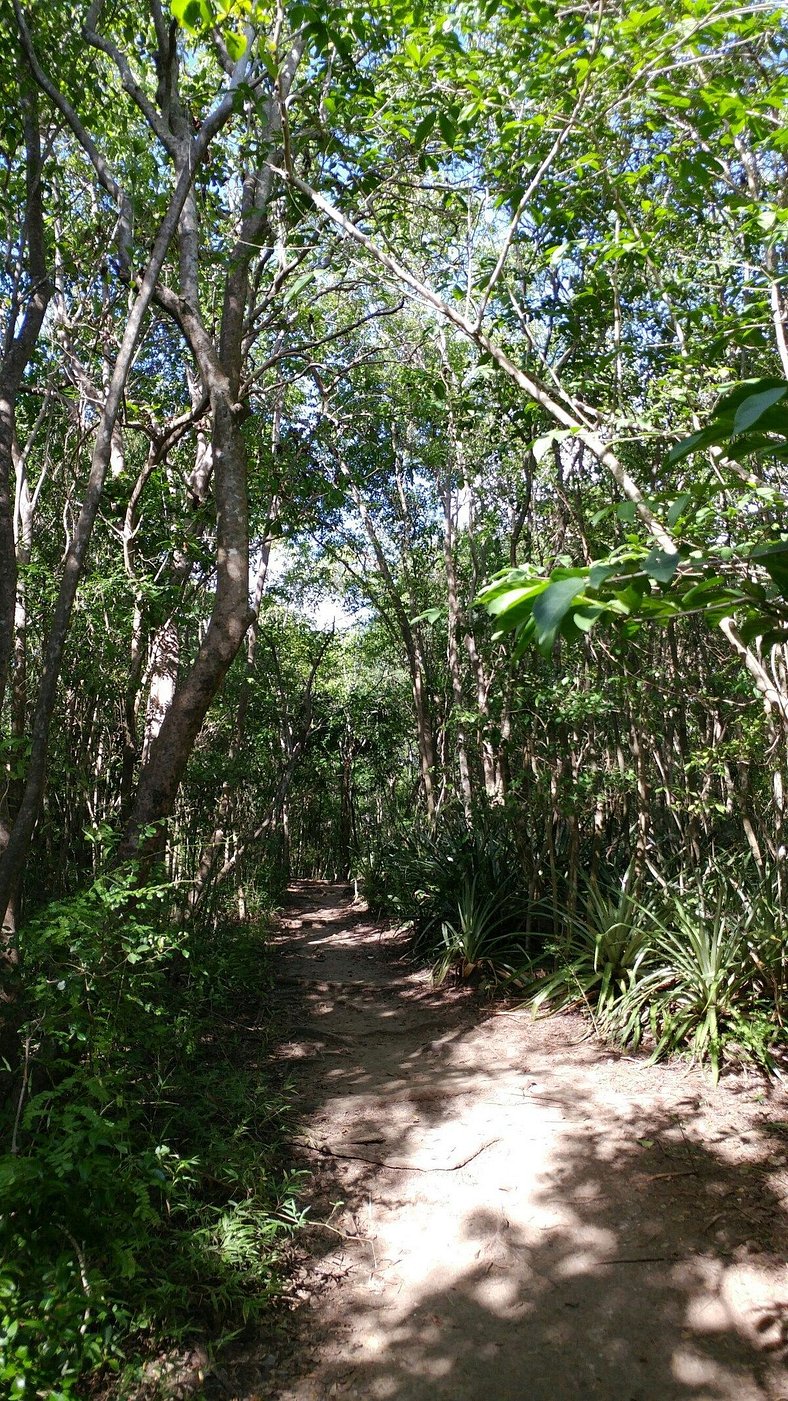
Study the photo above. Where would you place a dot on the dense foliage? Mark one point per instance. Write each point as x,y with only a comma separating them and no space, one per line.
392,488
143,1189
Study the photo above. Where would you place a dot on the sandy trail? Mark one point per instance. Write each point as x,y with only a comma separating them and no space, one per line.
510,1210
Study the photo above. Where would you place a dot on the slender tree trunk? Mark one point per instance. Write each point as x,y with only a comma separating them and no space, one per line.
19,344
171,747
452,648
15,855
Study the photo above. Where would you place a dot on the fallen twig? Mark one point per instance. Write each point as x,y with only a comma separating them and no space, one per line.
320,1031
325,1151
641,1259
682,1172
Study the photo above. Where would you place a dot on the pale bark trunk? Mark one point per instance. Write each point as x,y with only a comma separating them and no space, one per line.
15,855
171,746
164,676
452,648
219,366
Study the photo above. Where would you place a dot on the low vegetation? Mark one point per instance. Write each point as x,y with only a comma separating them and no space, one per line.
701,970
144,1198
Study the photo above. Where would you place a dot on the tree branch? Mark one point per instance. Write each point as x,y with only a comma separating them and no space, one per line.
99,162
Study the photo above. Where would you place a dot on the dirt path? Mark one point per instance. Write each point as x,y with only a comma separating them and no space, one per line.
510,1210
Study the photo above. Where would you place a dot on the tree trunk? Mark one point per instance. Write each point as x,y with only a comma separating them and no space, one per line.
170,748
452,648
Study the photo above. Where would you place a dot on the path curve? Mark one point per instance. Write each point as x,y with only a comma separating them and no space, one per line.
504,1209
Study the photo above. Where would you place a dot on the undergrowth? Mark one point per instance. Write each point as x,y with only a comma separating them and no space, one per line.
460,890
699,969
697,965
142,1201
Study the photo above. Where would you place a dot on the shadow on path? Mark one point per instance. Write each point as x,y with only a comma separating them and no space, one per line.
506,1209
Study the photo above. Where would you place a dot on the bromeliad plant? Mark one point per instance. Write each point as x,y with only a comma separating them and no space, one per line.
597,959
479,938
703,972
704,983
437,879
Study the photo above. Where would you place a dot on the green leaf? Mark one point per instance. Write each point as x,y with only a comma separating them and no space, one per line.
623,601
542,446
235,44
551,607
525,637
709,593
509,608
448,129
775,637
193,14
729,403
639,19
755,626
660,565
269,60
501,583
297,286
678,507
670,98
430,615
424,128
774,559
599,573
704,438
754,407
585,617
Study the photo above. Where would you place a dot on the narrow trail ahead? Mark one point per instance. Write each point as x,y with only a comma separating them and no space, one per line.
509,1210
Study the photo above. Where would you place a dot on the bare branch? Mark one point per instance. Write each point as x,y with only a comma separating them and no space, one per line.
99,162
134,88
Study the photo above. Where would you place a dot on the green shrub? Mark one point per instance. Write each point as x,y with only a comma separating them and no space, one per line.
142,1196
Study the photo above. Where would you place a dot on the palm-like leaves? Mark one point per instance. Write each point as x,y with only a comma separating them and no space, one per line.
699,973
480,938
702,977
598,958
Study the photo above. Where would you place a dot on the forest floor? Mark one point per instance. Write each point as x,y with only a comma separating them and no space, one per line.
508,1209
